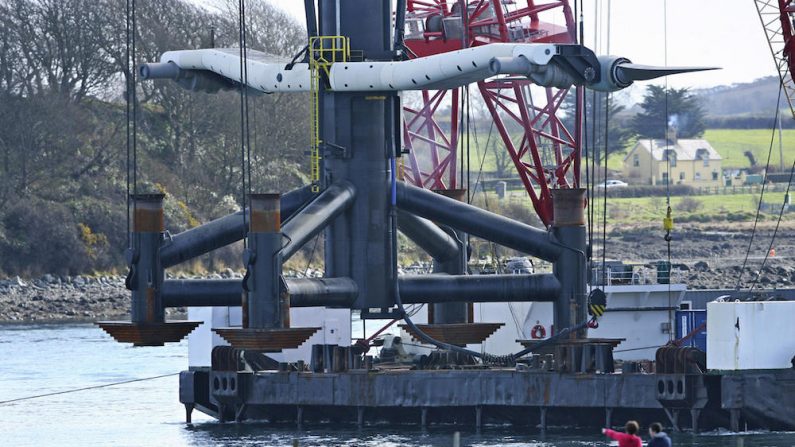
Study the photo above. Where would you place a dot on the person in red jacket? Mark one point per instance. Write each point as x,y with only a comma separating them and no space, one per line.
628,439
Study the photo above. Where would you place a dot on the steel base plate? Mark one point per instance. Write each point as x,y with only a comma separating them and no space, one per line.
266,340
613,342
148,334
456,334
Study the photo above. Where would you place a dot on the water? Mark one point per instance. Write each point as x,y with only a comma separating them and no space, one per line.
39,359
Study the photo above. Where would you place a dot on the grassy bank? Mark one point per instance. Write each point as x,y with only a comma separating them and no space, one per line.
731,144
644,211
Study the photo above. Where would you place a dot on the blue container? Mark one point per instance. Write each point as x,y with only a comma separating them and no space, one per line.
686,322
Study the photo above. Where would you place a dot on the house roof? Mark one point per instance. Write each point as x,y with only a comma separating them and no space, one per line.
684,149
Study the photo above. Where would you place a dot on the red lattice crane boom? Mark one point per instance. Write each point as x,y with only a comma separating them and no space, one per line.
544,152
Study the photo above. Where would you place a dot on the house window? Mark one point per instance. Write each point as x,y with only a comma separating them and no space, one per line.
681,176
635,160
665,178
698,176
714,175
670,157
703,154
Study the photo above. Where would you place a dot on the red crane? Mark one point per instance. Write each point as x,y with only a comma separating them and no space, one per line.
777,21
544,152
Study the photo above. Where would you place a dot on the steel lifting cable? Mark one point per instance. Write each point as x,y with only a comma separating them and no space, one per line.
604,190
469,165
761,194
245,150
607,155
127,94
134,90
775,230
492,246
667,220
93,387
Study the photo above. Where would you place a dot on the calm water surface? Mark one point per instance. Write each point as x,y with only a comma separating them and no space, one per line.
38,359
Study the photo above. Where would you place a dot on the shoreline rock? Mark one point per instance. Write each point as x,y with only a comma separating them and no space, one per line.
55,299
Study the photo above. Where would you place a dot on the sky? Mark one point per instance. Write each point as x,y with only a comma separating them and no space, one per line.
718,33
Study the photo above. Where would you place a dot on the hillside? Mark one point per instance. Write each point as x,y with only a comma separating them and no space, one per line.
757,98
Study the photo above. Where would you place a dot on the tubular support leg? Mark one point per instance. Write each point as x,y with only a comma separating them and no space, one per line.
145,279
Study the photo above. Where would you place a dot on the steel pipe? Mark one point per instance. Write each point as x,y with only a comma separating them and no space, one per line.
428,236
321,292
159,70
222,232
316,215
202,292
302,292
416,289
478,222
341,292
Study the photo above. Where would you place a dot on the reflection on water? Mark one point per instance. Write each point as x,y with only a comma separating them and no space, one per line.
39,359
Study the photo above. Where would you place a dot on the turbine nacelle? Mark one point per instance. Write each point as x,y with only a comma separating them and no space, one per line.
602,73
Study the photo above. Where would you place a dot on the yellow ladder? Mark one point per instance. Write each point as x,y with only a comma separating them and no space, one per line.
324,51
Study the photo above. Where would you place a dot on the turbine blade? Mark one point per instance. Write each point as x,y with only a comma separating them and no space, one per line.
635,72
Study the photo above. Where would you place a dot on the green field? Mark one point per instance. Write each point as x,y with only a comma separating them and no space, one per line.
730,144
651,210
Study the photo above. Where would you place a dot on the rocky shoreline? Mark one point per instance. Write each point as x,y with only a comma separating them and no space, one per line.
65,298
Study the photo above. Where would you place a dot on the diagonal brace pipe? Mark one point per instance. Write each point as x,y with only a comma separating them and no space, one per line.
316,216
428,236
478,222
223,231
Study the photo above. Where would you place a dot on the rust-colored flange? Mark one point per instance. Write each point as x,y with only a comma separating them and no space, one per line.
456,334
267,340
148,334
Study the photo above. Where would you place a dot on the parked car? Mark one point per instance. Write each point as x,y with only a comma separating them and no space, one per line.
612,184
519,266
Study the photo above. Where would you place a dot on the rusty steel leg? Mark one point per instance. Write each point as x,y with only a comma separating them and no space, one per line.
695,413
188,413
570,267
240,413
452,312
263,261
146,272
734,419
221,411
542,423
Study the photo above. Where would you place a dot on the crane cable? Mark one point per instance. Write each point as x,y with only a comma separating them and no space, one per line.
245,142
761,194
606,157
131,112
775,230
780,214
668,223
127,112
93,387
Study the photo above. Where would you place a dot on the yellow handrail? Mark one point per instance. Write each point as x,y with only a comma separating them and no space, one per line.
324,51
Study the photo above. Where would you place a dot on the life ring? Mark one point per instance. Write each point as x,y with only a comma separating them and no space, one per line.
538,332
